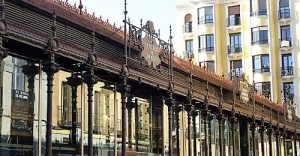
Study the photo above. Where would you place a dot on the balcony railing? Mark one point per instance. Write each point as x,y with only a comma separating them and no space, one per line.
188,28
204,49
262,70
208,18
284,13
285,42
188,55
233,49
259,12
237,72
287,71
233,21
260,42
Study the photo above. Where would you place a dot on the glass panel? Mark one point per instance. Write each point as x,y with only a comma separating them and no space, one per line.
189,45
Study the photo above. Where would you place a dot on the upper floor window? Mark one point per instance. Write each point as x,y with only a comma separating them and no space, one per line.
287,65
188,23
261,63
189,45
284,9
205,15
285,34
258,7
234,16
206,42
263,88
288,91
210,65
235,43
236,68
260,35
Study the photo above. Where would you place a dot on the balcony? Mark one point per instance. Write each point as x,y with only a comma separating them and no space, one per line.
287,71
262,70
206,49
209,18
188,55
188,28
236,72
233,49
233,21
284,13
260,42
259,12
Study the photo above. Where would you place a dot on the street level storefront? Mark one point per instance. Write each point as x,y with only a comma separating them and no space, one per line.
73,84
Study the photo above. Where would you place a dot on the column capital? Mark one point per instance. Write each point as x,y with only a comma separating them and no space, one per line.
74,80
252,126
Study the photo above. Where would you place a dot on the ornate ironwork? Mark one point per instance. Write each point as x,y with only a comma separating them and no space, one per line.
74,81
188,109
90,79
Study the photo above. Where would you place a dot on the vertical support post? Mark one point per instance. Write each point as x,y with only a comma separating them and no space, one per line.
74,81
177,111
50,68
188,110
262,132
295,142
221,121
284,141
137,125
90,79
277,138
194,115
124,89
115,121
270,132
205,115
130,106
252,129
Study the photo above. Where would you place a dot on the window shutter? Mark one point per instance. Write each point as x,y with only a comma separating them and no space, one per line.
233,10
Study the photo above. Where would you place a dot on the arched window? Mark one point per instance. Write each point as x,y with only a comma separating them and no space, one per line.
188,23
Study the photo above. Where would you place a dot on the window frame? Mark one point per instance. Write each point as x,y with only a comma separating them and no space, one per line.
261,68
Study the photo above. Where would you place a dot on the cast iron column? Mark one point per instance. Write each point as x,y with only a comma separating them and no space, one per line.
221,120
284,140
90,79
130,106
277,137
194,115
262,131
270,133
177,111
74,81
50,68
295,142
188,108
206,114
252,129
124,89
31,70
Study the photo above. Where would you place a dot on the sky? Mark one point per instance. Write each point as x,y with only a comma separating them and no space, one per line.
161,12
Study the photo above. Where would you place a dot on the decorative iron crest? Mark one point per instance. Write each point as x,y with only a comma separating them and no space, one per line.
152,49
